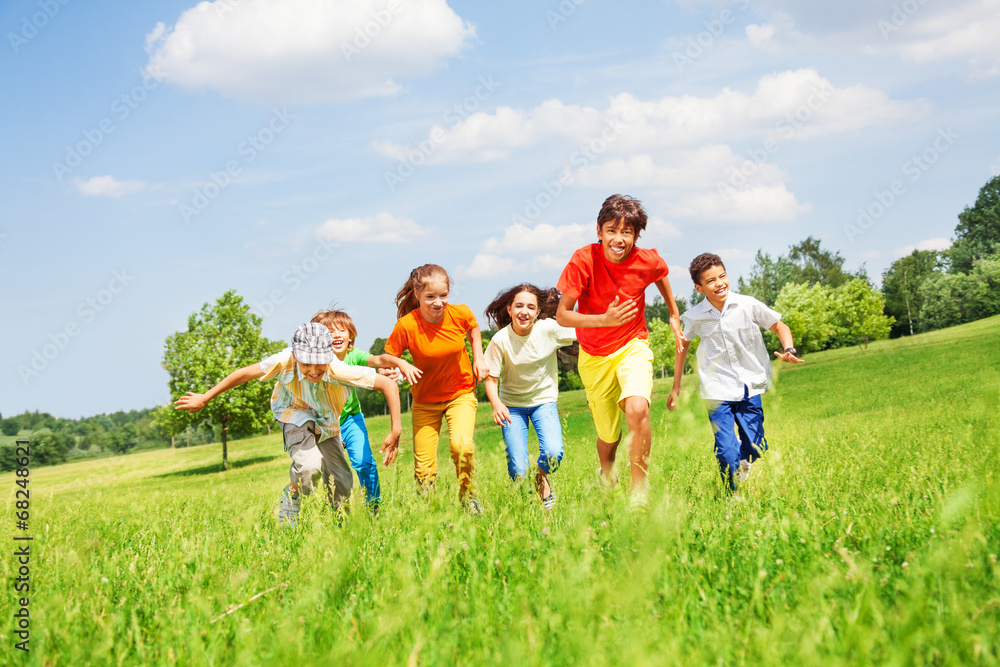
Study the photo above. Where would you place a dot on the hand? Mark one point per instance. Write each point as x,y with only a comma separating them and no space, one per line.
410,372
679,339
390,446
672,401
501,415
620,313
390,373
481,369
788,357
191,402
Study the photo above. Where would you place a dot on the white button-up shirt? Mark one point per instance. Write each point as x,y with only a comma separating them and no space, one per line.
731,353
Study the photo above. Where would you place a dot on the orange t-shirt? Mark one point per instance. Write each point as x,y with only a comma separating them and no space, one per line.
594,281
438,350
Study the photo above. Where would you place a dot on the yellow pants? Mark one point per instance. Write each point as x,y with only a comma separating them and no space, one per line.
460,412
610,380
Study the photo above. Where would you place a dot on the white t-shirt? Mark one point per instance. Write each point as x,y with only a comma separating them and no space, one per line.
526,365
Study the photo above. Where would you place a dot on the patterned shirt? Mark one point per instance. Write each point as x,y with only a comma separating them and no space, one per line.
295,400
731,354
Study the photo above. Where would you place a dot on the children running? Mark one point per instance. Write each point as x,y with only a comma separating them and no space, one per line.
733,367
435,332
309,394
522,356
353,432
609,279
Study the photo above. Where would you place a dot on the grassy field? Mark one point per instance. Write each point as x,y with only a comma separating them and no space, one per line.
869,534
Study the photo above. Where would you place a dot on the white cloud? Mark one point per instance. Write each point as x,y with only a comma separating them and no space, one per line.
489,266
929,244
379,228
542,238
305,50
761,36
789,105
729,254
107,186
955,30
751,205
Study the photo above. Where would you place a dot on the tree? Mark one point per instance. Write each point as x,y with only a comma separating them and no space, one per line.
943,301
983,288
661,342
860,314
808,312
767,277
901,288
812,264
219,340
977,234
657,310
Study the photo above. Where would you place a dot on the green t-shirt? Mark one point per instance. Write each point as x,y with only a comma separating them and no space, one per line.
352,406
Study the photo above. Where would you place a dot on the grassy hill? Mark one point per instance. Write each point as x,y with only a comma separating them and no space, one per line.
869,534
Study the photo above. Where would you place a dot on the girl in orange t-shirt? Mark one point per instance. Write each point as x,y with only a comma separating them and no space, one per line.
434,332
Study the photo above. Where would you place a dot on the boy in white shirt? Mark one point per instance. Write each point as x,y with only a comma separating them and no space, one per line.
733,366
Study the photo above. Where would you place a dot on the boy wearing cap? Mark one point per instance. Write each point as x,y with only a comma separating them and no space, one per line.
308,397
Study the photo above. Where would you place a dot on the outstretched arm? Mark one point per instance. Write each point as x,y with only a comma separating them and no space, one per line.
663,284
390,446
479,366
785,338
409,371
193,402
619,312
680,358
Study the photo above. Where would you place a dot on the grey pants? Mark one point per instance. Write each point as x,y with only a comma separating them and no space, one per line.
310,458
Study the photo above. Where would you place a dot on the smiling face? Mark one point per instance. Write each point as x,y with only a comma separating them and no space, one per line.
523,311
433,297
714,284
342,341
617,240
312,372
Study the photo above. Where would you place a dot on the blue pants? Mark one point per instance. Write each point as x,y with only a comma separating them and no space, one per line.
545,418
729,418
359,451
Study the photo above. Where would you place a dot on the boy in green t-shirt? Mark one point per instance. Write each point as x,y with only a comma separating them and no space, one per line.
353,431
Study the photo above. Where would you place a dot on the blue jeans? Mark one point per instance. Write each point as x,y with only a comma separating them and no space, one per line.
545,418
359,451
745,417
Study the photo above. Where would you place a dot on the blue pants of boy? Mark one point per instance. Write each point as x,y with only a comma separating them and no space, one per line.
545,419
354,434
745,417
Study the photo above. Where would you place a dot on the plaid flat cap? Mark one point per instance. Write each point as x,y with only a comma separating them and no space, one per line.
312,344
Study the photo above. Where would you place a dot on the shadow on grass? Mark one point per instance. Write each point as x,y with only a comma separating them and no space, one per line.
217,467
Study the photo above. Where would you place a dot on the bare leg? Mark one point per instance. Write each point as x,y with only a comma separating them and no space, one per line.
606,452
641,435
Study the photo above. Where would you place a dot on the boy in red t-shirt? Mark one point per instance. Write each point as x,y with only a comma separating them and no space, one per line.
608,280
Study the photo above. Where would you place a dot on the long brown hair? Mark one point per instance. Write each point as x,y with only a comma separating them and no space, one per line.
497,315
406,298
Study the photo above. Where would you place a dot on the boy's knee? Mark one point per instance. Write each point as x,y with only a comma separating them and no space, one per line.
636,408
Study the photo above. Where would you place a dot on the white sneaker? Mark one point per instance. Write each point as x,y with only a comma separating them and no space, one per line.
609,487
743,473
288,508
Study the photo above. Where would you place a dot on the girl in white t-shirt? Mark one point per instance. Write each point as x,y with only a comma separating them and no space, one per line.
522,360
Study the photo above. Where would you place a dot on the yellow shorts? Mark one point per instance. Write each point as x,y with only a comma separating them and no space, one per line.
610,380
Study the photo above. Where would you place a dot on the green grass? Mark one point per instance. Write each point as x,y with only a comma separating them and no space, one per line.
869,534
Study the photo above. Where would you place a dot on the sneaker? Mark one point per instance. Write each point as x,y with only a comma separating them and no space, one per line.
743,472
472,507
609,487
548,502
288,508
638,503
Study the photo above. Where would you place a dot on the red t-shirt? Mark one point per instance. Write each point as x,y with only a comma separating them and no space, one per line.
594,281
438,350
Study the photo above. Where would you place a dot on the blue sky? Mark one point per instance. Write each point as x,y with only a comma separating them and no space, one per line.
310,153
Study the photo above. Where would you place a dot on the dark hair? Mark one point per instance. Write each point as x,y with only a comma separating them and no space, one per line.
497,315
406,298
338,318
702,263
627,209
